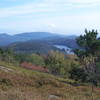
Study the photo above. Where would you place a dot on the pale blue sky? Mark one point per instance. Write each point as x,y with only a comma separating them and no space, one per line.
57,16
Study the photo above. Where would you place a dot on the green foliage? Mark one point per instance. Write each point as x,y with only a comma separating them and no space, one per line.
7,55
58,63
78,74
20,57
35,59
90,53
98,70
54,61
90,42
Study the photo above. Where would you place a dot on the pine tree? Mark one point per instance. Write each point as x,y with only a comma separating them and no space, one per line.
89,53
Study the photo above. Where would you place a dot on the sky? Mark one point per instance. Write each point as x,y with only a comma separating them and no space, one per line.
56,16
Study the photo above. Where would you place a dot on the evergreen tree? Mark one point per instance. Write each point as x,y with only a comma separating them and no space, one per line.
89,53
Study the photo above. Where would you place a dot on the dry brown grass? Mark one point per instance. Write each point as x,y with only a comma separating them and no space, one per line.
27,85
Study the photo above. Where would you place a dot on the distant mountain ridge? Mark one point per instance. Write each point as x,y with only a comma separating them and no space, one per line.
43,46
41,42
6,39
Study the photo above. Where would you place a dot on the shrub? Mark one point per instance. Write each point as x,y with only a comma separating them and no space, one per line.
59,64
35,59
78,74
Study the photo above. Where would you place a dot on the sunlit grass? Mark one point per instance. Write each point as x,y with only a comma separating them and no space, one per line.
23,84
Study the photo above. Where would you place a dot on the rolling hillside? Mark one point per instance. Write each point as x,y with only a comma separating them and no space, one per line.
17,83
32,47
43,46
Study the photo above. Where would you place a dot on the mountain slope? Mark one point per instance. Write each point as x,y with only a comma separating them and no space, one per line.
66,41
41,42
43,46
6,39
17,83
34,46
33,36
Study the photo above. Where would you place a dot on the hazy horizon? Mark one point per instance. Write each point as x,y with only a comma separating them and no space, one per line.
68,17
40,32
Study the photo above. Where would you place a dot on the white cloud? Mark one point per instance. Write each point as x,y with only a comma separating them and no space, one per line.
57,24
84,1
59,16
24,9
47,6
75,3
52,25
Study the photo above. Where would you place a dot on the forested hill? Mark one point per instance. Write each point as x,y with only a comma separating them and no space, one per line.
43,46
6,39
41,42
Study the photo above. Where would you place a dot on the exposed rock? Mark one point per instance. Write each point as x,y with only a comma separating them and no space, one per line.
5,69
54,97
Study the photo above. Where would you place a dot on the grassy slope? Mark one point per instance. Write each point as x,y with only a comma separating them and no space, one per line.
22,84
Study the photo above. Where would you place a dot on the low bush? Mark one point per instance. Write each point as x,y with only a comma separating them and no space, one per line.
78,74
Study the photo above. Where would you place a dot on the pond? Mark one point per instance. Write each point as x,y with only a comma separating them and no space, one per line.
64,48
